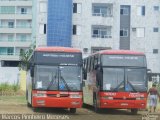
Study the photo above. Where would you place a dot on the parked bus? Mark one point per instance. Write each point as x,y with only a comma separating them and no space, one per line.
115,79
55,78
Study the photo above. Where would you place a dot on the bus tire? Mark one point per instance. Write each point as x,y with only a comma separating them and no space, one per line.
28,104
27,95
134,111
34,109
72,110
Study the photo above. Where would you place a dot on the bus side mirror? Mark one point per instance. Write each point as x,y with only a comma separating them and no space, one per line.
32,71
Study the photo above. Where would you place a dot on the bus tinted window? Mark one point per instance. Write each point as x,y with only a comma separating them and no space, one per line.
123,60
58,58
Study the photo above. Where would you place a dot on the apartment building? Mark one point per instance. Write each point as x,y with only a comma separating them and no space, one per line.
15,30
102,24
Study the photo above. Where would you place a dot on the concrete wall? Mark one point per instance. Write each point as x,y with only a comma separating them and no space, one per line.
9,75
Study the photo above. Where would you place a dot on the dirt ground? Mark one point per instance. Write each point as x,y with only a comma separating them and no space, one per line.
82,114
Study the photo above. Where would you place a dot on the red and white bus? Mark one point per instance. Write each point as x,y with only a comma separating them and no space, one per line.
115,79
55,78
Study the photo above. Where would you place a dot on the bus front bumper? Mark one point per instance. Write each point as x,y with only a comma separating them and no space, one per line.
123,104
57,102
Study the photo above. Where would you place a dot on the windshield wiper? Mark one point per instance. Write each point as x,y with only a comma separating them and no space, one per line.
131,85
116,89
65,83
53,80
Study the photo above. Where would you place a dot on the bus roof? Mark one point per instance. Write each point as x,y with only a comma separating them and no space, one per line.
121,52
58,49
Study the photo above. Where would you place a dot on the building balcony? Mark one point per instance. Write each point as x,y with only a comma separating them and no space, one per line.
16,2
27,16
9,56
17,43
4,29
105,20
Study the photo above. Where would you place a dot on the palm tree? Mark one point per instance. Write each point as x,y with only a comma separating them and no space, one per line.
24,57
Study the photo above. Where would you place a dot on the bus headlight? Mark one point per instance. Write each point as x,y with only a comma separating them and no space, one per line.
107,98
140,98
75,96
39,95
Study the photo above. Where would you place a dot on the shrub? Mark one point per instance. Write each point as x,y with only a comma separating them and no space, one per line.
5,87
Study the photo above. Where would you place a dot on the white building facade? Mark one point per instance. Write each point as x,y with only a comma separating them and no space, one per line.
16,34
15,30
111,24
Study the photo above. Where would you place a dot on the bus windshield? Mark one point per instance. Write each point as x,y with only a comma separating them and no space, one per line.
124,79
136,79
65,78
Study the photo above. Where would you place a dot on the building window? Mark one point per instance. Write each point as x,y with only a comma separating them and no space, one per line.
23,38
156,8
23,24
7,10
42,7
10,51
140,32
42,29
155,29
23,10
76,30
10,24
155,51
10,38
101,32
124,32
124,10
103,10
141,10
77,8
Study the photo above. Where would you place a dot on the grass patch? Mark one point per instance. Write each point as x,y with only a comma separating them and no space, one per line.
11,94
5,87
12,100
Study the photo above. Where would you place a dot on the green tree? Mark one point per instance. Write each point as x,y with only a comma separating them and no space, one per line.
24,57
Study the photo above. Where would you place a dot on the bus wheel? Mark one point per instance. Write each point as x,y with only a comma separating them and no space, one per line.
73,110
28,104
134,111
35,109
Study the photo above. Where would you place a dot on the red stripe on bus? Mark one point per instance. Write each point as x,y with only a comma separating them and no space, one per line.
57,49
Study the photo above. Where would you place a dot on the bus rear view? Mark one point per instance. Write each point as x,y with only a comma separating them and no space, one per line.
54,78
121,80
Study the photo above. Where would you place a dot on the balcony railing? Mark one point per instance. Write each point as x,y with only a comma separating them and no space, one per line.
17,40
17,26
102,14
15,0
10,54
17,13
101,36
